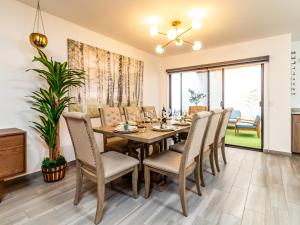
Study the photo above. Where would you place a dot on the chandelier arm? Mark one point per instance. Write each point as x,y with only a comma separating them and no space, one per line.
165,45
162,33
184,32
187,42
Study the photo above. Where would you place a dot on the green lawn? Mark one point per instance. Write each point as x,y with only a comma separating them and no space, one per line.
244,138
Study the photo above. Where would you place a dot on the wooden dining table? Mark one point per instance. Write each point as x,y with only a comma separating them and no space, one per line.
145,135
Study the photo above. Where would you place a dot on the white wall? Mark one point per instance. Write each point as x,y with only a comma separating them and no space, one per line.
277,81
296,98
15,57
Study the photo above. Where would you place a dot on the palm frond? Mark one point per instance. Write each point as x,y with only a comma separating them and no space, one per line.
51,102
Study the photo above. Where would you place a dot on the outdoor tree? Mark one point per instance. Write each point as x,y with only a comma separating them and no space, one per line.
196,97
252,101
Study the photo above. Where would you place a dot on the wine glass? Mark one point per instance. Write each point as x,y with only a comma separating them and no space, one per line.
150,116
169,112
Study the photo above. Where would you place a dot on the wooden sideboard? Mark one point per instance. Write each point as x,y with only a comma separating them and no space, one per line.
12,154
296,133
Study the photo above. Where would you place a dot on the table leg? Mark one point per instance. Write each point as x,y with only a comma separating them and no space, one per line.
1,190
161,145
165,144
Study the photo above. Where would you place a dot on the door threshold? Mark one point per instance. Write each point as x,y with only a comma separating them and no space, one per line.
246,148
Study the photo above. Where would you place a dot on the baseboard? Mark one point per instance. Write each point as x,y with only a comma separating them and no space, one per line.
31,176
277,152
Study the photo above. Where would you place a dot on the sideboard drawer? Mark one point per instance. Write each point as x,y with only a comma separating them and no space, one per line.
12,152
11,142
13,162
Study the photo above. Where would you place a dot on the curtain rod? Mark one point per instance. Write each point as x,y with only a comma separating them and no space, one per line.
260,59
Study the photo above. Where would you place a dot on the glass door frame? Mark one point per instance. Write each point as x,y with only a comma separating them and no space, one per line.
170,88
262,65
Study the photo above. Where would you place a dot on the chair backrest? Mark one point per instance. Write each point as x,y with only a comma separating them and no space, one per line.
83,139
132,113
235,114
224,123
196,138
110,116
213,127
151,110
257,120
197,108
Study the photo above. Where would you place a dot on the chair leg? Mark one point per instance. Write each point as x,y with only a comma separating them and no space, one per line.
197,178
100,203
258,133
78,183
211,160
182,195
201,172
135,182
216,156
147,181
223,151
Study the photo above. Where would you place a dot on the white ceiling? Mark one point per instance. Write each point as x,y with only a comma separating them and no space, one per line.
226,22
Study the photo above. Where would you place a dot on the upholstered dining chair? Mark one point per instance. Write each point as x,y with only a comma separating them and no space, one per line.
151,110
99,168
220,138
132,113
197,108
174,164
208,148
111,116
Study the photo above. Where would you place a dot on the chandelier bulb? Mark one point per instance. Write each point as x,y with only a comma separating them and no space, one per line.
159,49
196,24
197,45
172,34
154,31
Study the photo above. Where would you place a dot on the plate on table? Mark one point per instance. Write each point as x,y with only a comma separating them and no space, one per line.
130,123
131,129
179,123
168,128
149,121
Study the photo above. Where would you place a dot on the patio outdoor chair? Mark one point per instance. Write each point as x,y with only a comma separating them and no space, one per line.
251,125
235,116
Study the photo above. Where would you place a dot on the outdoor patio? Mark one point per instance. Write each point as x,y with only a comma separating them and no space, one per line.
244,138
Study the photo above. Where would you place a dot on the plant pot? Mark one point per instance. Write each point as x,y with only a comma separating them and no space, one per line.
54,174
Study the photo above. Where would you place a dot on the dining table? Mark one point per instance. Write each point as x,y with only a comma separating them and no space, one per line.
146,135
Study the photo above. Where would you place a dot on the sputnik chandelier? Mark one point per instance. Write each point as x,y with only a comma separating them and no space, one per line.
176,35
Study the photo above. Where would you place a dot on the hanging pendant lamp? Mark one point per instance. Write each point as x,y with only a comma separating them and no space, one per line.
37,39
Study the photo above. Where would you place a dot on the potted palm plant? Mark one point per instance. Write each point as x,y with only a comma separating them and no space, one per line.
50,103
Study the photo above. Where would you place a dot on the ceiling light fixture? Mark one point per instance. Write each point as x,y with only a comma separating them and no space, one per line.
176,35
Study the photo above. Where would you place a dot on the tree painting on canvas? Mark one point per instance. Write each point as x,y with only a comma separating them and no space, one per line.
111,79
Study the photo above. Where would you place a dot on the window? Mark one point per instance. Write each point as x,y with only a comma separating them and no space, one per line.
183,84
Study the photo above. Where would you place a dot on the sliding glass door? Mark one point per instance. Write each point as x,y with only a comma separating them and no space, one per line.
242,92
216,89
237,87
186,85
